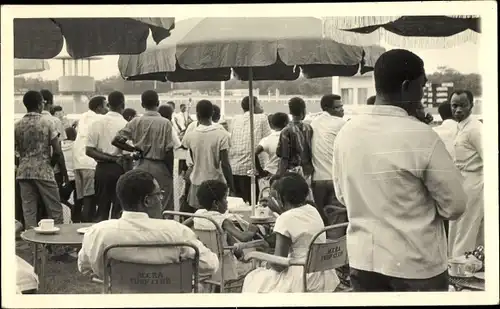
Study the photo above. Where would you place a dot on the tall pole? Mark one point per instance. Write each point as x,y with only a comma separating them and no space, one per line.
222,94
252,139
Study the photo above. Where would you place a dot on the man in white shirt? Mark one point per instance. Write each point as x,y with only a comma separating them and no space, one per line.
398,183
141,199
111,163
448,129
240,153
467,233
325,127
182,119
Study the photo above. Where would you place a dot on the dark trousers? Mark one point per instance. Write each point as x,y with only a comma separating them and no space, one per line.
32,192
243,187
324,193
106,177
19,204
366,281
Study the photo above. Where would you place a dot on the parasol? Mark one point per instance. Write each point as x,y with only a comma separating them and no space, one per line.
260,48
403,31
25,66
43,38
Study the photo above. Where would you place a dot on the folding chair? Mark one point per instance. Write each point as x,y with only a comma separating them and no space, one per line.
320,257
122,277
214,240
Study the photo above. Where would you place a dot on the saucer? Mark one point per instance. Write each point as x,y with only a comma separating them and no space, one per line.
256,218
479,275
83,230
53,230
462,276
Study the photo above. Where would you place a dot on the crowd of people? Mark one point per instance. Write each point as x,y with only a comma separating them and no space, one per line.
413,193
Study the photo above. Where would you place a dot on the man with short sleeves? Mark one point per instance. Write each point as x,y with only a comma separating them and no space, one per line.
110,160
208,146
467,232
398,183
36,142
152,136
240,154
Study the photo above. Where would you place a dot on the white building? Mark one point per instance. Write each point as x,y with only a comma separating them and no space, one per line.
355,90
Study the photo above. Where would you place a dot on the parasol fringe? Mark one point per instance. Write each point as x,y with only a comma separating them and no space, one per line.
352,22
392,39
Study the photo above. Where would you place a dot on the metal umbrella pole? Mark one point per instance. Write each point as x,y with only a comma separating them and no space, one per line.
252,140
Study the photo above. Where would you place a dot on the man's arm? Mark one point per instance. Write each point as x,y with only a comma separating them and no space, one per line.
258,166
475,137
58,157
445,183
336,174
226,168
283,152
125,134
92,141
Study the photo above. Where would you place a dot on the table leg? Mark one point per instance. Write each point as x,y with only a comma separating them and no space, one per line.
35,257
43,263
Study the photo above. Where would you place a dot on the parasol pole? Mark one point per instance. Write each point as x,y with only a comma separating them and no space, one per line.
252,140
222,103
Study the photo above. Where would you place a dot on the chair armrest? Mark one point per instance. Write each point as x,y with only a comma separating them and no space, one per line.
261,256
253,244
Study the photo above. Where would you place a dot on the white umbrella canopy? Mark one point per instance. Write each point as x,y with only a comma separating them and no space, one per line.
43,38
25,66
437,31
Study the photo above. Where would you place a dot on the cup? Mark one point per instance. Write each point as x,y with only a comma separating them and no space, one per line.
46,224
262,212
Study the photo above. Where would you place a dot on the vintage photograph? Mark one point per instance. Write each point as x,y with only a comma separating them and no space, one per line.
258,154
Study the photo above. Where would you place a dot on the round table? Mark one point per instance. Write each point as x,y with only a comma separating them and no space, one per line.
66,236
267,221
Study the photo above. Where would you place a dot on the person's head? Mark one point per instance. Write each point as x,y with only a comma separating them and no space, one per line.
48,99
166,111
400,79
279,121
444,110
204,110
150,100
216,113
172,105
292,190
269,120
116,102
138,191
332,104
33,101
462,102
183,107
212,195
371,100
97,104
245,105
129,114
297,107
70,133
57,111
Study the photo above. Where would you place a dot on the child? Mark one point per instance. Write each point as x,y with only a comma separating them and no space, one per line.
67,189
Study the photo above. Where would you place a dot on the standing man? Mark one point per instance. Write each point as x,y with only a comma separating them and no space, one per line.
448,129
467,232
58,112
36,142
240,153
326,126
294,147
152,136
111,163
182,119
84,166
398,183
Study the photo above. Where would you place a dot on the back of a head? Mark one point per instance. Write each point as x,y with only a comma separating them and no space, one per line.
297,106
293,188
216,113
245,103
32,100
96,103
133,187
204,110
70,133
171,103
393,68
211,191
279,121
328,101
371,100
166,111
150,99
444,110
116,100
129,113
48,97
55,109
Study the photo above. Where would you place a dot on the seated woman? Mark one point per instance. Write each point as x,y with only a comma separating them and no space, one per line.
294,228
212,197
26,279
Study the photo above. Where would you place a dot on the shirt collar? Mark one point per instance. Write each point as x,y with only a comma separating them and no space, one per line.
384,110
134,215
151,113
30,114
449,123
462,124
113,114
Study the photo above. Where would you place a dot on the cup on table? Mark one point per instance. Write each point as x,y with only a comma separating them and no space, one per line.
458,268
46,224
262,212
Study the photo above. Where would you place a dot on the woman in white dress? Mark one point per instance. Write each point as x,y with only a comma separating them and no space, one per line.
294,229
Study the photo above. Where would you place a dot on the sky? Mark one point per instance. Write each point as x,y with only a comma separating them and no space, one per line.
463,58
